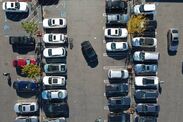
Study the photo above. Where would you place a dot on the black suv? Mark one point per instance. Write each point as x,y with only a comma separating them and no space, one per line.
116,6
88,52
22,40
56,109
117,104
116,90
118,117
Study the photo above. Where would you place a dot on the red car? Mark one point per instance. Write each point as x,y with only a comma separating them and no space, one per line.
21,62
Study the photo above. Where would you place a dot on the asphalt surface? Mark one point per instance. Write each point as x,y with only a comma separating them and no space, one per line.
170,67
85,85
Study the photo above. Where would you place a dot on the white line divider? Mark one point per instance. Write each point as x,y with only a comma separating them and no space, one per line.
104,14
104,94
105,120
106,81
103,27
113,67
106,107
104,41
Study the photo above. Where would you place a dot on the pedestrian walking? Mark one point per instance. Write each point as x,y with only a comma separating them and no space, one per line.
6,74
8,78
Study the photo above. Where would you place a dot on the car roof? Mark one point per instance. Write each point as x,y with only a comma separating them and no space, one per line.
149,7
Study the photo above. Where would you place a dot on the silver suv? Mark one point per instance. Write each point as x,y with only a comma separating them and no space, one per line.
173,39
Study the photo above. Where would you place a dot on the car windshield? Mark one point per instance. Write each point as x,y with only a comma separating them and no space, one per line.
28,61
32,108
51,22
109,32
48,94
61,22
49,80
124,46
113,46
144,108
141,41
17,5
141,8
49,52
174,31
122,73
20,108
50,37
142,55
62,68
119,32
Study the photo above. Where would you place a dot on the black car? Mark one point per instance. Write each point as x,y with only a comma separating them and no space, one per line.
145,119
116,90
116,5
151,23
146,95
117,104
56,109
88,52
118,117
22,40
148,109
25,86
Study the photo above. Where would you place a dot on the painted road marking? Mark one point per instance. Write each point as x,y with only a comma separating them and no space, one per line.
106,107
113,67
106,81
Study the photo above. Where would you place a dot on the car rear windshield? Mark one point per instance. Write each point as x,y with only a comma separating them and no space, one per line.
174,31
148,81
141,8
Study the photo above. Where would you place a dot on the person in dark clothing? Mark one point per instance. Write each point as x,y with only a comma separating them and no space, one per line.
8,78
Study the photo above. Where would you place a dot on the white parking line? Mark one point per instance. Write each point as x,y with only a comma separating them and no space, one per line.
103,27
105,120
113,67
26,100
106,107
104,94
106,81
104,14
115,55
59,5
104,41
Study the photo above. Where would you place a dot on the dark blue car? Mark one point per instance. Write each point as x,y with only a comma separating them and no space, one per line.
25,86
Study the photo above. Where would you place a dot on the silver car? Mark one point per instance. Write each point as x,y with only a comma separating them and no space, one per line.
54,94
27,119
173,39
146,69
25,107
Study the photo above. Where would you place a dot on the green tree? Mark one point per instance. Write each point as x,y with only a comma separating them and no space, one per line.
136,24
32,71
30,27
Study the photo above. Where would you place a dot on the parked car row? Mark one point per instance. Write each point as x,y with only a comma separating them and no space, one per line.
146,82
116,35
54,93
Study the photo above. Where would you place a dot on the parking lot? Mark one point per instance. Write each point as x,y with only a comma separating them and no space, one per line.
85,85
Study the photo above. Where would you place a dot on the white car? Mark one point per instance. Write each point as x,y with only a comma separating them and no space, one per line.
26,107
118,74
144,42
116,46
61,119
148,8
54,81
147,82
15,6
27,119
142,56
53,38
54,23
54,52
116,33
54,94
